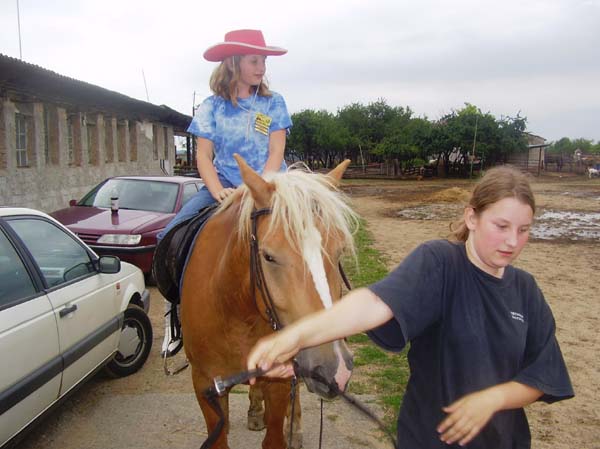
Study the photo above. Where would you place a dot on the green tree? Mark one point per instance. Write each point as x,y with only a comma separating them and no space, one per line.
317,138
469,134
355,119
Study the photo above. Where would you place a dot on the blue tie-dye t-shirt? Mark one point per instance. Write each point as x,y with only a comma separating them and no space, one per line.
233,129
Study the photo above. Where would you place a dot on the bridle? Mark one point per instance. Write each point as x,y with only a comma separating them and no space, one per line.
257,275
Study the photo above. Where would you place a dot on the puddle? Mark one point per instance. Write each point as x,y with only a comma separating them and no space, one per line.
431,212
551,225
548,225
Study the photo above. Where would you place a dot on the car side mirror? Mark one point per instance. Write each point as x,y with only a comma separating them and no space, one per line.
72,203
109,264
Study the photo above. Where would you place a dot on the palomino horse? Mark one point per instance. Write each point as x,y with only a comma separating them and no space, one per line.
299,226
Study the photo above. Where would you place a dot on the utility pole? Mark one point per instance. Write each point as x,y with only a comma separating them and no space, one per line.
145,86
474,140
19,25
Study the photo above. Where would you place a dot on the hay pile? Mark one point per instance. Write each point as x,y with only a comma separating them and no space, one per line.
451,195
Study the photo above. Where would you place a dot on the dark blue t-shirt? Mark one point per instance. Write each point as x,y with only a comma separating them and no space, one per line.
468,331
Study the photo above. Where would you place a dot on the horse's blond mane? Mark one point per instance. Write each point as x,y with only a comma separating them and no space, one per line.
301,201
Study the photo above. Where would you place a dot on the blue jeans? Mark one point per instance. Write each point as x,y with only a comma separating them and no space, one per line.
199,201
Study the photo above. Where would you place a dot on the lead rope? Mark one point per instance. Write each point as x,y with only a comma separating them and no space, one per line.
292,409
222,385
321,426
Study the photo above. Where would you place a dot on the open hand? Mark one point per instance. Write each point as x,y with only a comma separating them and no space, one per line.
224,193
467,416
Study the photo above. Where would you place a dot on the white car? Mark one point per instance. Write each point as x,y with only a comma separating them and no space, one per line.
64,314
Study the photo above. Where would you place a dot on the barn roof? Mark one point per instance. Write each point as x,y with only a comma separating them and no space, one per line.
29,82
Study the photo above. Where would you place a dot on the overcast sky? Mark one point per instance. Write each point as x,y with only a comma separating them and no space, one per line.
539,58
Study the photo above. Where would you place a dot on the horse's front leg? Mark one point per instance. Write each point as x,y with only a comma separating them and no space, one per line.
256,410
211,417
277,396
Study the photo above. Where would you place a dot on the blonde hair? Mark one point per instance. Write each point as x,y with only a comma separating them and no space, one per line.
498,183
223,81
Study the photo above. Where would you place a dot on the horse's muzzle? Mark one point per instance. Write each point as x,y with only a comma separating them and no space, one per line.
329,377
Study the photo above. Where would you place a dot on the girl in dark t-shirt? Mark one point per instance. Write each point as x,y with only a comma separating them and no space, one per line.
482,336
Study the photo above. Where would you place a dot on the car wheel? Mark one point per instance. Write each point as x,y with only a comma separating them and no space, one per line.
134,343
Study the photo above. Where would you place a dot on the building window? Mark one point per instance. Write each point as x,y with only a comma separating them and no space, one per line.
70,140
166,141
155,141
92,142
122,136
21,136
46,134
133,140
108,140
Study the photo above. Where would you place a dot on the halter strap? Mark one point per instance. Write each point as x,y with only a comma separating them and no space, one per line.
257,274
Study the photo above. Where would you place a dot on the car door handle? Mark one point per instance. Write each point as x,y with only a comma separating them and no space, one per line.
64,312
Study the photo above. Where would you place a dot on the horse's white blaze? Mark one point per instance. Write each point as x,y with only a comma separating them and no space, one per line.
311,248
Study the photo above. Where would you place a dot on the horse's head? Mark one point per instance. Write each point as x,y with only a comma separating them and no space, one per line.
300,243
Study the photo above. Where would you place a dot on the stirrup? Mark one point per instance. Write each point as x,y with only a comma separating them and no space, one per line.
184,365
172,348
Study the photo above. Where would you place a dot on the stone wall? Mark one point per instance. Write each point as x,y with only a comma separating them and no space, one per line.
48,183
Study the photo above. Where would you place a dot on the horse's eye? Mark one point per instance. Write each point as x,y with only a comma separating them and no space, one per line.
268,257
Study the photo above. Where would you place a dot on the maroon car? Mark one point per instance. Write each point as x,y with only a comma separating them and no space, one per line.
121,216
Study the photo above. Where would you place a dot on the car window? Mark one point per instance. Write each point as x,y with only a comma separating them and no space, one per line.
136,194
60,257
15,282
188,192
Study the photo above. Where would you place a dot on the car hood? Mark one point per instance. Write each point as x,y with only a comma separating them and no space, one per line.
83,219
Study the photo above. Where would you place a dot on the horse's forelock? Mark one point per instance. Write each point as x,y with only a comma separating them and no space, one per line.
301,202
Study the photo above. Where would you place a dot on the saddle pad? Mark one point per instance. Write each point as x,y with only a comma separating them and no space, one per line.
172,251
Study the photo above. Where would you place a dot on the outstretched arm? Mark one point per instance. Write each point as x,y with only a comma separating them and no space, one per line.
467,416
358,311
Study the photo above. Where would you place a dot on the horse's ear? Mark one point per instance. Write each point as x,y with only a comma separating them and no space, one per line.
337,173
260,189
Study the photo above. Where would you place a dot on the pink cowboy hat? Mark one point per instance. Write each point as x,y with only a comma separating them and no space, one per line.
242,42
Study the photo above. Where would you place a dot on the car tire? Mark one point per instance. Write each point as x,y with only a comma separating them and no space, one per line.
135,343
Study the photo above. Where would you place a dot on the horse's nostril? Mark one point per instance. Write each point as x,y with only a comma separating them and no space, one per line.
319,374
323,385
350,363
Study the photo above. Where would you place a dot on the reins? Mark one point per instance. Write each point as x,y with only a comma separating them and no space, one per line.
220,387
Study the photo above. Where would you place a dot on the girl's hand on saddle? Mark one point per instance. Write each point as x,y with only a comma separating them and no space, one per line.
468,415
224,193
274,352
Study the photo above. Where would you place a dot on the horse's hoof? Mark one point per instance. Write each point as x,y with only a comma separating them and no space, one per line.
296,440
256,422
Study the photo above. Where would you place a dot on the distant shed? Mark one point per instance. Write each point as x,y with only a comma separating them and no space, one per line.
531,160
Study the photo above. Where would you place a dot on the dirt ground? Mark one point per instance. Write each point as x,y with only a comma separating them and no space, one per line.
567,267
150,410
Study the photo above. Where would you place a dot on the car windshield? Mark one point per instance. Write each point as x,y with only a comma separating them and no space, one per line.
136,194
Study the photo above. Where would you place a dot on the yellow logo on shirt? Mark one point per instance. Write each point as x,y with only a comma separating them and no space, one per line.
262,123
